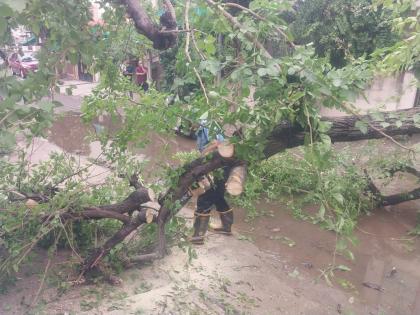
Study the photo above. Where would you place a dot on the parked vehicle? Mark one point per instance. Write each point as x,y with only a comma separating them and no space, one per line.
22,65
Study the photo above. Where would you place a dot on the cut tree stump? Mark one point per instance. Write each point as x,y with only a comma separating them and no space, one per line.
226,149
236,181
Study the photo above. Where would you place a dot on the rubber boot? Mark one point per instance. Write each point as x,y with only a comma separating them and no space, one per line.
201,224
227,221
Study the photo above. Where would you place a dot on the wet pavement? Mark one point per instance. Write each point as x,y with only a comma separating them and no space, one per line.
384,255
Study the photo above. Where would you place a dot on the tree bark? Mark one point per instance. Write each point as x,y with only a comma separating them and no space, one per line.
343,129
93,259
161,36
393,199
132,202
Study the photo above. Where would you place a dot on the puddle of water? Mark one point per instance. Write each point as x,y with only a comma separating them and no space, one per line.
383,245
72,135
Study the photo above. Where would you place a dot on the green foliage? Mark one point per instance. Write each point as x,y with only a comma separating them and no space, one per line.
342,29
404,54
24,229
315,177
186,157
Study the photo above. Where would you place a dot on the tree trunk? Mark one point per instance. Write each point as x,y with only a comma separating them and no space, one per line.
343,129
163,36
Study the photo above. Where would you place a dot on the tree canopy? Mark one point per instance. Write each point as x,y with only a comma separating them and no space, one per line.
342,30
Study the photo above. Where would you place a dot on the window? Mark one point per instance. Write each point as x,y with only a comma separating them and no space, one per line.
27,59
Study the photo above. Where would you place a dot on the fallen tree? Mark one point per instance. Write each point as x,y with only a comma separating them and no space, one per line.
284,136
345,129
277,137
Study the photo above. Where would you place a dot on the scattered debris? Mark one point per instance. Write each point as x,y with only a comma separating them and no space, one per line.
373,286
392,272
114,280
30,203
224,287
308,265
246,283
245,238
294,274
237,268
345,284
275,230
339,309
284,239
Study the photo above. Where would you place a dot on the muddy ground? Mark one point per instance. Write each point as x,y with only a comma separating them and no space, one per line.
271,265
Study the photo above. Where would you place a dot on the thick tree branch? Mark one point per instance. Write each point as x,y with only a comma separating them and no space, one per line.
402,197
93,259
131,203
95,213
343,129
159,35
390,200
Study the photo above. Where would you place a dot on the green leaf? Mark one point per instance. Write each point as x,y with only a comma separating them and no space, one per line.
213,66
339,198
325,139
324,126
296,96
7,139
321,212
35,28
416,118
378,116
205,115
273,70
349,254
343,268
5,10
292,70
362,126
213,94
46,105
398,123
3,25
337,82
261,72
326,91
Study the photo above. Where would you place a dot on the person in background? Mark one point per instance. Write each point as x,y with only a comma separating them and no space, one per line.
141,76
212,192
129,73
